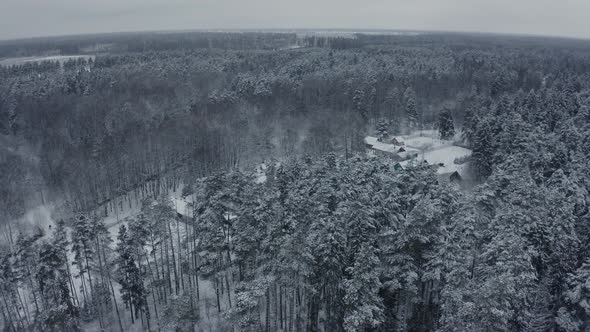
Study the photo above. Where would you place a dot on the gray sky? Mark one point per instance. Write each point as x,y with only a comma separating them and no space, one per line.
26,18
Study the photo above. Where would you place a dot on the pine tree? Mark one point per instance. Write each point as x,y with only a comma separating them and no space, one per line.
576,315
483,152
382,132
180,314
62,242
360,104
60,313
411,108
393,106
130,277
493,295
24,263
82,247
362,303
446,126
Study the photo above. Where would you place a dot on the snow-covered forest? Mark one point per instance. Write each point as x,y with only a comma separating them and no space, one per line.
295,182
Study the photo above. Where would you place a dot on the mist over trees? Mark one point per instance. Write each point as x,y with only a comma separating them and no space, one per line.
331,239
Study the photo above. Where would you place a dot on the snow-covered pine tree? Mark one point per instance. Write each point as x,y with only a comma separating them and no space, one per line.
363,307
60,313
382,132
129,276
574,316
483,152
411,108
446,126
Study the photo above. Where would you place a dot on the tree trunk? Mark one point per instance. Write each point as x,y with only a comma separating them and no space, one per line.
228,290
152,277
267,318
281,306
169,277
179,263
114,297
217,294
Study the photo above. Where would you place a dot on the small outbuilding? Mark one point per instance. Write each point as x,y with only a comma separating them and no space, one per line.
455,177
396,142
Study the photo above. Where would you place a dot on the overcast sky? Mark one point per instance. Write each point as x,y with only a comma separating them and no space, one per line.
26,18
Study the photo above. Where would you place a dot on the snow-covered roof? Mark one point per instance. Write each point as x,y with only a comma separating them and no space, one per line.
374,142
409,153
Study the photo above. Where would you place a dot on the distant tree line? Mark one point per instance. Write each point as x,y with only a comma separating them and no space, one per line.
143,42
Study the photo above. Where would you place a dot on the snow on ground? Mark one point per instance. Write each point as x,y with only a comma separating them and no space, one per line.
40,217
425,145
445,156
210,318
423,140
260,174
290,47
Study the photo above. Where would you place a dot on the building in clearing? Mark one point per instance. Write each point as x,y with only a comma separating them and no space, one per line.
390,151
455,177
423,149
381,149
397,142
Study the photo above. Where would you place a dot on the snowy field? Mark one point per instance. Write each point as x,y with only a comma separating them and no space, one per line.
424,140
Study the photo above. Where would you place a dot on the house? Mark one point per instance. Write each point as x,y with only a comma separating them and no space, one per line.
401,150
398,167
455,177
381,149
397,142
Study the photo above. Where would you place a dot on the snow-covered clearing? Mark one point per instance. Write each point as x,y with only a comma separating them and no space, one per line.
420,146
423,140
444,157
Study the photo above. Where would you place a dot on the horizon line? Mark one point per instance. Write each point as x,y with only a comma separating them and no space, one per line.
295,30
